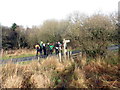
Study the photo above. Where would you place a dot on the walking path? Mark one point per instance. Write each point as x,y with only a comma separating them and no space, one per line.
114,47
28,58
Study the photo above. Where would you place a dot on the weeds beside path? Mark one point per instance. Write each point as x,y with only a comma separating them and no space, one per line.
50,73
19,53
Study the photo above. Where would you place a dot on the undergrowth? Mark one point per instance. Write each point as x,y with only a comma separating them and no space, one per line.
50,73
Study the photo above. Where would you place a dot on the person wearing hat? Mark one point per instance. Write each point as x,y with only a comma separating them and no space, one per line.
37,47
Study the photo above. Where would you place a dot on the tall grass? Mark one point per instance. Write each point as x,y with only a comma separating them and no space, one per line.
50,73
18,53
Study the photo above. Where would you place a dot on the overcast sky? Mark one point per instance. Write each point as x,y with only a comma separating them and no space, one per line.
35,12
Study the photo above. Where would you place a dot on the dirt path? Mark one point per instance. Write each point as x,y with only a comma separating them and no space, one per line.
28,58
114,47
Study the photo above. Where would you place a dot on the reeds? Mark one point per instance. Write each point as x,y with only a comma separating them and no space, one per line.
50,73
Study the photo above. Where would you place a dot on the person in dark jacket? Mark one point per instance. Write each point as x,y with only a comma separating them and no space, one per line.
47,49
37,47
44,49
56,48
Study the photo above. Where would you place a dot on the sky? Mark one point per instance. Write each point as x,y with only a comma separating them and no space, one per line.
34,12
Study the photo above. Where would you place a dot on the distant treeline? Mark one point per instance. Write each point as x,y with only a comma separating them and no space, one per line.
91,34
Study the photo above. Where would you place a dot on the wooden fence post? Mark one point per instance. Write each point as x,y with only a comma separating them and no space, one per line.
65,47
83,60
60,57
1,53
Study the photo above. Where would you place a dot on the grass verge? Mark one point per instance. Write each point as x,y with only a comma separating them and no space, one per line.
50,73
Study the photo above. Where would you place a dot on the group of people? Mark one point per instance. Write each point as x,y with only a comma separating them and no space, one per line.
48,48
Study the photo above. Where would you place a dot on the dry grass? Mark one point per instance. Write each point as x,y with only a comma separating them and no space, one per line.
101,74
79,80
50,73
18,52
40,80
13,82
